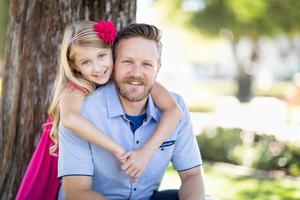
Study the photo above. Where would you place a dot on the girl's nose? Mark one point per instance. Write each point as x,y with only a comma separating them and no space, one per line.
99,67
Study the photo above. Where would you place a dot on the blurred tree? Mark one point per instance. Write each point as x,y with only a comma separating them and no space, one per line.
35,32
236,19
251,19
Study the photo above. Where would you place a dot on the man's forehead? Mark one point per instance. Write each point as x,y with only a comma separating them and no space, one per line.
134,40
137,45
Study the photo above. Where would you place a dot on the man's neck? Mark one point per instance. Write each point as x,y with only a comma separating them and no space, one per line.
133,108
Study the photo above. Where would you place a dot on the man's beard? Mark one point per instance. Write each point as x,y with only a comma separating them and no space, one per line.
128,95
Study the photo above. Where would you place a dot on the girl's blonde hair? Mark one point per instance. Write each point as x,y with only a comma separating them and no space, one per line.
72,38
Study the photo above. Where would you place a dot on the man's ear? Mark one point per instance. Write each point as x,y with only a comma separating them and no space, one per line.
158,66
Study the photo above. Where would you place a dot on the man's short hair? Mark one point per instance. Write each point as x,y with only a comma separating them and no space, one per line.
146,31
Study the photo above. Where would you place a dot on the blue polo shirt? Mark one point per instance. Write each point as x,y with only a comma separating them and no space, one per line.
78,157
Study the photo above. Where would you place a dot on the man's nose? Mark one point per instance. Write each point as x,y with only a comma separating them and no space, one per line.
136,70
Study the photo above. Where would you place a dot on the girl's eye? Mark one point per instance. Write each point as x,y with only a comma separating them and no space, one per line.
85,62
102,55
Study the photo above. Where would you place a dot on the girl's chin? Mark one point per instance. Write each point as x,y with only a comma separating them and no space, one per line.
101,82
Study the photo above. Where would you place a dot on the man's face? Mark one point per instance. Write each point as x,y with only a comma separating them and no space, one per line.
136,67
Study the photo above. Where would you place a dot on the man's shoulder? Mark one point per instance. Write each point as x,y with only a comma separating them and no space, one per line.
98,94
179,100
176,96
97,99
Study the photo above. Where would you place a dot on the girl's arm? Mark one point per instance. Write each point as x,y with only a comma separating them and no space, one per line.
71,118
170,118
137,160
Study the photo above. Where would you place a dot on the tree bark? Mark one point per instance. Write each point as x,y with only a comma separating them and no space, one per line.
244,78
35,32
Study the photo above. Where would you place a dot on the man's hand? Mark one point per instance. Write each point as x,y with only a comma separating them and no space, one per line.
135,162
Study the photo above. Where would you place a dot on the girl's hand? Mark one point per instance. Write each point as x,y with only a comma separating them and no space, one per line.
119,155
121,158
135,162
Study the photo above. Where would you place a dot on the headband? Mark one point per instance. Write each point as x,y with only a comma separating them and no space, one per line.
105,30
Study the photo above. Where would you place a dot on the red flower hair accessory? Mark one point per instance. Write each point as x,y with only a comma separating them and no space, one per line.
106,31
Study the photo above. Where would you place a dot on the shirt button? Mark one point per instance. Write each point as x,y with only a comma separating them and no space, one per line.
161,149
137,141
134,189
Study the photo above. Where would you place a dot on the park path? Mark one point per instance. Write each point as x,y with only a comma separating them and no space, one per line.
266,115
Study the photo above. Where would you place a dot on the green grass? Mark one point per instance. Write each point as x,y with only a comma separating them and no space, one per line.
216,87
212,90
226,186
278,89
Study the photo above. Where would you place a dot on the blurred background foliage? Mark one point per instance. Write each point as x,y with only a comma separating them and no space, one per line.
236,20
242,17
237,65
259,151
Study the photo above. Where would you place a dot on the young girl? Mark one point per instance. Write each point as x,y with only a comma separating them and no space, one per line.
86,63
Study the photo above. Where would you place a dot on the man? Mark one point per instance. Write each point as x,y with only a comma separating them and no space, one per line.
89,172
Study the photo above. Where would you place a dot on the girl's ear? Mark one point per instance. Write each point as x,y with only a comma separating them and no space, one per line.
73,66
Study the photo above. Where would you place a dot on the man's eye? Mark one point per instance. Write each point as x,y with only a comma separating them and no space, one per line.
148,64
127,61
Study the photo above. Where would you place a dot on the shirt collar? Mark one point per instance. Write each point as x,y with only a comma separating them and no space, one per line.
114,106
151,110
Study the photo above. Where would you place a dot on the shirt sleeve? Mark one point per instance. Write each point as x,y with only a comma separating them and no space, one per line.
186,151
75,156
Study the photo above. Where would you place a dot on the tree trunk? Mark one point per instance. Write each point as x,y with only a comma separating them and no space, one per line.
35,32
244,72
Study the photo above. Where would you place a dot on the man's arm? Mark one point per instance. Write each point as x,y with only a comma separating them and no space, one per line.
75,166
80,187
192,184
187,160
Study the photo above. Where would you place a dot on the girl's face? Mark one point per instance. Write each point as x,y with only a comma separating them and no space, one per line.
95,64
